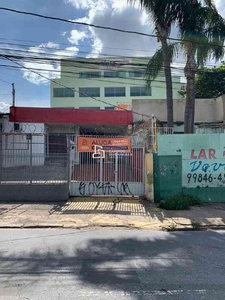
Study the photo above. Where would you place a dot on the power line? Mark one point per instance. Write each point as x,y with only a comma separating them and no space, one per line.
77,60
76,22
71,51
71,45
72,89
93,79
85,46
101,78
29,59
5,81
101,27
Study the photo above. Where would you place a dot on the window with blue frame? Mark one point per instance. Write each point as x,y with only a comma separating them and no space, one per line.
63,92
113,74
90,74
136,74
109,107
115,92
89,92
136,91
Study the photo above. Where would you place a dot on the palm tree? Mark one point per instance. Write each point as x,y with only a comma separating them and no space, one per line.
163,13
202,32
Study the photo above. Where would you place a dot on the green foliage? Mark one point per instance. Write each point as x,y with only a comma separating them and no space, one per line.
183,93
210,83
172,227
196,225
192,200
179,202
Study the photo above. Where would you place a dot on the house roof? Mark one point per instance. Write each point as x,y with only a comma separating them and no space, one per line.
70,116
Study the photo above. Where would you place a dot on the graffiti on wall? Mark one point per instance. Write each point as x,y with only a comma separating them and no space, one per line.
104,188
204,168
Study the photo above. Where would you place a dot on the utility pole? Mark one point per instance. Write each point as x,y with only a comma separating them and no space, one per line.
13,94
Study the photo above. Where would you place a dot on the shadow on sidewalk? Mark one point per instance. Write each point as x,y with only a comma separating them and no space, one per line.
113,206
207,214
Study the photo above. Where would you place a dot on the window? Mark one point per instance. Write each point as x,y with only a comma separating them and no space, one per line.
137,74
63,92
111,74
109,107
95,107
115,92
139,91
16,127
90,74
89,92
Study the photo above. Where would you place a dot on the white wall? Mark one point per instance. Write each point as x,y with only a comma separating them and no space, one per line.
17,146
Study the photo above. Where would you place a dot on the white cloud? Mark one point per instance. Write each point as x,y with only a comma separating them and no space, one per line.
4,107
128,18
46,68
220,6
50,45
96,47
118,14
88,4
67,52
76,36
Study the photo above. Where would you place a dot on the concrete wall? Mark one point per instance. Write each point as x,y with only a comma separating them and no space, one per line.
149,192
203,162
34,193
206,110
72,68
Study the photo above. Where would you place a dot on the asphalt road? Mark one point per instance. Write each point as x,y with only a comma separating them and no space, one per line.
111,264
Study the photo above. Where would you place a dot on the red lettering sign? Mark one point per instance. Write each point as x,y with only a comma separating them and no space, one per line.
212,153
192,154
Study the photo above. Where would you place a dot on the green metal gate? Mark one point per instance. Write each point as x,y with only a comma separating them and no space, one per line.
167,176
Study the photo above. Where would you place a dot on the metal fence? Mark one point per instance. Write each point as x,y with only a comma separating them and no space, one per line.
117,173
33,159
35,163
165,130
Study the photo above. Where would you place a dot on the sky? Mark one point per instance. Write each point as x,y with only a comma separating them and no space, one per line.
67,40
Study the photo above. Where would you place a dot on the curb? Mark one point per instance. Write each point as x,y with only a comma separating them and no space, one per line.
110,226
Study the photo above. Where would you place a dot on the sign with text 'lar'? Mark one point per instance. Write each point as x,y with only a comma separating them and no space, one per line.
89,144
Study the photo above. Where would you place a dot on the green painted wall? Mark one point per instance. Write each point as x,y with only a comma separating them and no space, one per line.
70,78
167,176
203,163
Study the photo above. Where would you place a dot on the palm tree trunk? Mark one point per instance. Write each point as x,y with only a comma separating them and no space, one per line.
190,71
169,84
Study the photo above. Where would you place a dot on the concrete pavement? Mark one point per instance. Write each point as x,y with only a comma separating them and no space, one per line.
111,264
121,213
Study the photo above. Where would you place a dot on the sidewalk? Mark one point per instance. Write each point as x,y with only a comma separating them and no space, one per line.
81,213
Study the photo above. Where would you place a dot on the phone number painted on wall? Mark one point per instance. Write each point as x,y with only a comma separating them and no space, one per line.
204,168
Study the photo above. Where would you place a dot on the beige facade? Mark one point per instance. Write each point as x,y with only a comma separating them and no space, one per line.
206,110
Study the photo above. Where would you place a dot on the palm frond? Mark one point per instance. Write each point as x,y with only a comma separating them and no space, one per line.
153,68
156,63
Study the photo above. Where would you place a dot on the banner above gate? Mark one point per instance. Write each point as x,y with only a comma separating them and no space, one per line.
87,144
